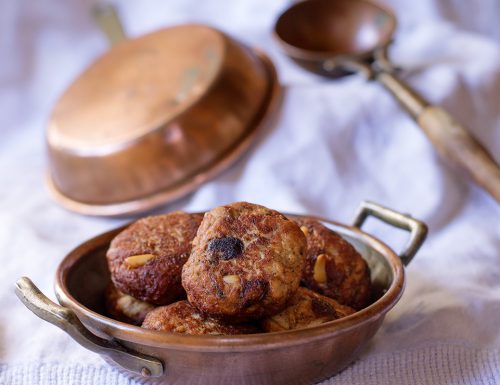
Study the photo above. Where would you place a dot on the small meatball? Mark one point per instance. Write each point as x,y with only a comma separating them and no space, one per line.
146,259
306,309
125,308
246,262
333,266
183,318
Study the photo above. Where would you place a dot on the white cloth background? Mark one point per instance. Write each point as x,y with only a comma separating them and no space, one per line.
337,143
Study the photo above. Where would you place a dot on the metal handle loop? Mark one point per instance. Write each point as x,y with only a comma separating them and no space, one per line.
67,320
417,229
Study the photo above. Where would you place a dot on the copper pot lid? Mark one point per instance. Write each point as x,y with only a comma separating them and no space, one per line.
155,117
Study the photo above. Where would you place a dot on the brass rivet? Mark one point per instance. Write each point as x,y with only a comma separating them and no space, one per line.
145,372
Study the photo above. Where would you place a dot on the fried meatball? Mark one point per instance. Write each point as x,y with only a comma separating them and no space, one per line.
146,259
182,317
305,309
246,262
124,307
333,266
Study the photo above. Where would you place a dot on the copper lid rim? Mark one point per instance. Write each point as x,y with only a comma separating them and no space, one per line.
263,119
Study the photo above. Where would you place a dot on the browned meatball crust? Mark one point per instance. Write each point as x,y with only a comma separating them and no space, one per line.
333,266
246,262
124,307
146,259
182,317
306,309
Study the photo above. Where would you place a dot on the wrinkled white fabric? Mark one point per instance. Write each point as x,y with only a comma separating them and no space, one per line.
335,144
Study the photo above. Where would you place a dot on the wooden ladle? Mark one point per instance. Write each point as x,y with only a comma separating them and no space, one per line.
338,37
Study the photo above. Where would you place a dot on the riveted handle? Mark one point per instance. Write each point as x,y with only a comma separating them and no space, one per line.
417,229
67,320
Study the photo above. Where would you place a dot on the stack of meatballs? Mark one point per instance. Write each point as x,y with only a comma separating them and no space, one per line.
239,269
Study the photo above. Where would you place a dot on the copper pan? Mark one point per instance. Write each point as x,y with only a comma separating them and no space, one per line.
155,117
302,356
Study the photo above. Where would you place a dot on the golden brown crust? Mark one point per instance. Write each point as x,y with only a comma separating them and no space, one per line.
341,273
306,309
162,244
183,318
125,308
246,262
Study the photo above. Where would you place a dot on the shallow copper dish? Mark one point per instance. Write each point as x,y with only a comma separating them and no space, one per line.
155,117
303,356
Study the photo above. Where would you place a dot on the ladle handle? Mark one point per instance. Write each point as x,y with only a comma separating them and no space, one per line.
67,320
453,142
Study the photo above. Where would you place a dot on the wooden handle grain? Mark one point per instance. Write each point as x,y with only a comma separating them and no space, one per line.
457,145
453,142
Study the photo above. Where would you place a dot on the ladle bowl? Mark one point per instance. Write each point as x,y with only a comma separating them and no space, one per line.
315,32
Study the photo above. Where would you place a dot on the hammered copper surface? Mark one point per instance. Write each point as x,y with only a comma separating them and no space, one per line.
155,117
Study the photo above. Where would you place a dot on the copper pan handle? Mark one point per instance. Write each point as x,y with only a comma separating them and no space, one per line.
106,16
67,320
417,229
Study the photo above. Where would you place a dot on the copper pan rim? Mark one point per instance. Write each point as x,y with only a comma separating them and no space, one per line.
264,119
253,342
